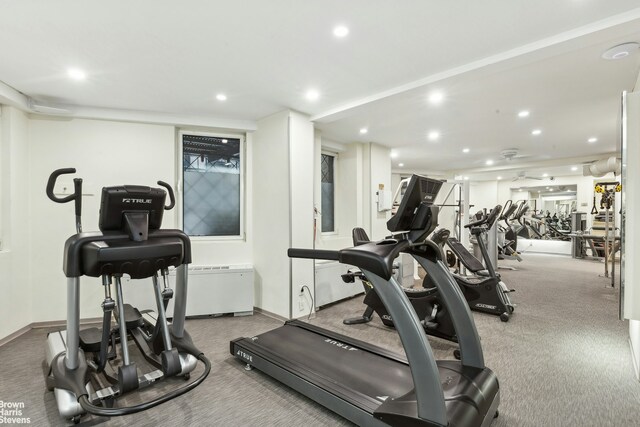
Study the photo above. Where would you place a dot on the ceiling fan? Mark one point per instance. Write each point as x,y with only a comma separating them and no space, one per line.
509,154
522,175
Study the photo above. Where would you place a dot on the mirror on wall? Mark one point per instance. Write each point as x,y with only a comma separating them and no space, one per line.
559,200
549,210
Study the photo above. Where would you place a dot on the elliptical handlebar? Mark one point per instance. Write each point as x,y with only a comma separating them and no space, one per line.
77,193
172,197
505,212
488,219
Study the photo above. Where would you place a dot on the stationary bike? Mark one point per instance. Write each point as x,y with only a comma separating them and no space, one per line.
434,317
89,369
488,293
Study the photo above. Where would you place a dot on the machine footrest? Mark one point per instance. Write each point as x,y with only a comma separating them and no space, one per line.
90,339
132,317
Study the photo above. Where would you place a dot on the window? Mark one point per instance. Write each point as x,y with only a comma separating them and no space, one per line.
212,173
327,179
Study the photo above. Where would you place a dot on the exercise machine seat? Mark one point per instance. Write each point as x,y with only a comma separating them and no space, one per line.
472,281
468,260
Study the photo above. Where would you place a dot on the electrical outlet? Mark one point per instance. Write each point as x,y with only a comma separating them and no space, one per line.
301,290
300,304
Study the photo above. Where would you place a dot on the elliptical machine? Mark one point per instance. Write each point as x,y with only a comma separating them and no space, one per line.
432,313
89,369
507,236
488,293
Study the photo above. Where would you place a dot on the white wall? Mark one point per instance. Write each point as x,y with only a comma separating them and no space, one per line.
377,172
104,153
483,195
632,224
271,213
16,261
301,177
280,153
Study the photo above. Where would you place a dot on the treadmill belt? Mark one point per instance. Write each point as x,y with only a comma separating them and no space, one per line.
334,363
359,375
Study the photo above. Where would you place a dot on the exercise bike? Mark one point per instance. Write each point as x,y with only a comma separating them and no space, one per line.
430,310
89,369
485,292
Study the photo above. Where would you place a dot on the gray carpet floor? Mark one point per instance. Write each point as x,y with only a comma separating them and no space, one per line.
562,360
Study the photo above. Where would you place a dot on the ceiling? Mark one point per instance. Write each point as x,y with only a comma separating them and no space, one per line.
490,58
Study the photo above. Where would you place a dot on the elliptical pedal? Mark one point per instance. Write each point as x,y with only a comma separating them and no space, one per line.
132,317
90,339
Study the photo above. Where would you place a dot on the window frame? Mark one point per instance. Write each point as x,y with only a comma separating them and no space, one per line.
336,228
180,183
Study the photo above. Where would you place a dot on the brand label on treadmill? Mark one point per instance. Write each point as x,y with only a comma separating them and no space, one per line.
340,345
490,307
241,354
386,317
130,200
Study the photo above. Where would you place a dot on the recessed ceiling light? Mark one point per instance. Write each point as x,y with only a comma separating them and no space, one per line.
364,130
224,141
620,51
400,164
592,140
499,178
221,97
551,189
466,178
312,95
536,132
465,150
436,97
340,31
76,74
489,162
574,168
520,189
394,154
523,113
545,175
433,135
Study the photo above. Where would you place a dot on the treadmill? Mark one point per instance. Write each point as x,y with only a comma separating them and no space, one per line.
372,386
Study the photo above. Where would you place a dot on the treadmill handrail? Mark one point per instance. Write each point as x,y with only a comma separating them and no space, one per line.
314,254
373,256
422,363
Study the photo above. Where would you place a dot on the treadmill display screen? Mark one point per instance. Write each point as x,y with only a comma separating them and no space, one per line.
420,191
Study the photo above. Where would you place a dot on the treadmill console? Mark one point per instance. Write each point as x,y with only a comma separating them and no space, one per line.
417,215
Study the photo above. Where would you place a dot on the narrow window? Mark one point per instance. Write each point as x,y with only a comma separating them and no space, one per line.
327,171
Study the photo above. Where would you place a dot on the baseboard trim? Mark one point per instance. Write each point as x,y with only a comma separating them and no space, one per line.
15,335
58,323
635,362
270,314
44,325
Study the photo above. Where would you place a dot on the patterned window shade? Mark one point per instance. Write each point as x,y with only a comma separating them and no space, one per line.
212,180
327,163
